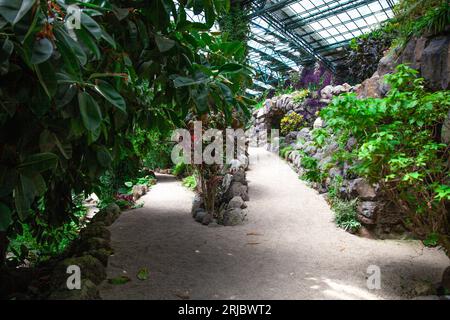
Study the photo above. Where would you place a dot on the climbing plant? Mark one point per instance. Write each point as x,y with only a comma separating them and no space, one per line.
70,97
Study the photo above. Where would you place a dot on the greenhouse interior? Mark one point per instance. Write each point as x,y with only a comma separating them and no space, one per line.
224,150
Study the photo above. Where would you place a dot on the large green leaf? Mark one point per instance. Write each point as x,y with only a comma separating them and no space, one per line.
5,217
39,162
230,68
91,25
87,39
14,10
42,51
47,78
24,194
70,47
104,157
8,179
6,49
90,111
110,94
180,81
164,44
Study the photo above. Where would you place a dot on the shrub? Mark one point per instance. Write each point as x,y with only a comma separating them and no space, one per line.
398,147
285,151
179,169
291,122
345,214
299,96
364,53
312,172
190,182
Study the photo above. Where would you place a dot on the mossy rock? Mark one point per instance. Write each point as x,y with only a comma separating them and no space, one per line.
95,230
91,269
107,215
88,291
94,244
101,254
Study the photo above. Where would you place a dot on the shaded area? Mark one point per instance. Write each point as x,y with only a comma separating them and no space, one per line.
289,248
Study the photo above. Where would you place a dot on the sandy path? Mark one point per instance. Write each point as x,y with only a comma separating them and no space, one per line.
289,248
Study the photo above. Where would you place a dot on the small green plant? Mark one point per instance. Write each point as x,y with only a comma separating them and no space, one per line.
432,240
291,122
179,169
190,182
27,246
299,96
312,172
285,151
345,214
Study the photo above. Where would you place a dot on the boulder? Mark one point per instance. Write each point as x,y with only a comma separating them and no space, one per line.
107,215
310,149
387,64
369,209
234,217
95,230
362,189
338,90
197,203
237,189
138,191
291,137
372,87
239,176
91,269
364,220
101,254
327,92
245,161
435,63
446,279
304,134
88,291
199,215
318,123
236,203
261,113
207,219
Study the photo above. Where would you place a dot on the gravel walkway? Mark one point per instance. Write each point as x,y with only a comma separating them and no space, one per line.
288,249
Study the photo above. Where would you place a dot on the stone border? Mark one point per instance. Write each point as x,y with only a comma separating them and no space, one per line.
231,198
90,252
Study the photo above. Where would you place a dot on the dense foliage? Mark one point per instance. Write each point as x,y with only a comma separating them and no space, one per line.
291,122
364,53
72,100
399,147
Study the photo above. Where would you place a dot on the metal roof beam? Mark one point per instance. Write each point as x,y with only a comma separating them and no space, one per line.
271,8
296,40
330,11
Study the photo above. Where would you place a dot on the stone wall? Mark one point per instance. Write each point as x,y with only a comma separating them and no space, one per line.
430,55
274,109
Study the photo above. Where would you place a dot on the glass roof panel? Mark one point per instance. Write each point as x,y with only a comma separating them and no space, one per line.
286,34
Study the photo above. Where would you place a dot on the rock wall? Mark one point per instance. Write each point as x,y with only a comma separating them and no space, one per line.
429,54
274,109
